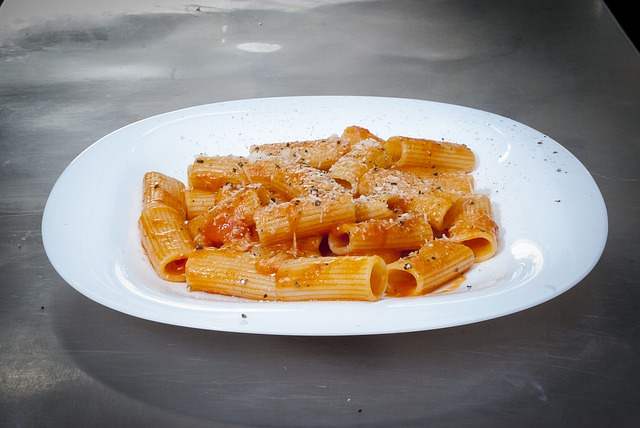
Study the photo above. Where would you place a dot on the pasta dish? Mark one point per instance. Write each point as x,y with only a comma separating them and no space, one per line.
353,217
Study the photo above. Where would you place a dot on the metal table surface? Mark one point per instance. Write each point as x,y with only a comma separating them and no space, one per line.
70,72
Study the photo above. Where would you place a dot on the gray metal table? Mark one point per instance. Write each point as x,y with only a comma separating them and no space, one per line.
69,76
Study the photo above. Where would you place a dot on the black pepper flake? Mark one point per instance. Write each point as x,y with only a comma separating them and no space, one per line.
557,200
273,200
199,161
555,152
359,410
288,144
243,315
435,174
306,151
317,203
264,296
296,202
42,308
558,170
199,247
240,164
393,183
469,287
539,142
155,186
420,192
234,170
433,257
407,266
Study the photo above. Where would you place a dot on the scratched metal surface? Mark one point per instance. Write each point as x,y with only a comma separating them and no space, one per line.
70,75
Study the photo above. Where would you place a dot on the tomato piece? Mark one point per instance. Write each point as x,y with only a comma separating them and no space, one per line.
224,229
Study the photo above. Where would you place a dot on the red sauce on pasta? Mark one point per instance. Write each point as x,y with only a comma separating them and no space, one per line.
225,228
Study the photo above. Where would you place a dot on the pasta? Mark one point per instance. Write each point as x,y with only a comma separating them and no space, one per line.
397,182
198,202
363,156
160,188
270,257
228,272
332,278
451,183
211,173
320,154
433,206
368,207
166,240
288,180
302,217
470,222
353,217
228,222
407,151
406,232
352,135
425,270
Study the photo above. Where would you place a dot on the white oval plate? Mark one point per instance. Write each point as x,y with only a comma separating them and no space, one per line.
553,221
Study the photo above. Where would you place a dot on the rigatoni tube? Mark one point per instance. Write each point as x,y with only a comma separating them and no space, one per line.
470,222
303,217
319,154
432,205
368,207
230,221
198,202
332,278
433,265
228,272
363,156
211,173
352,135
407,151
160,188
406,232
166,240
